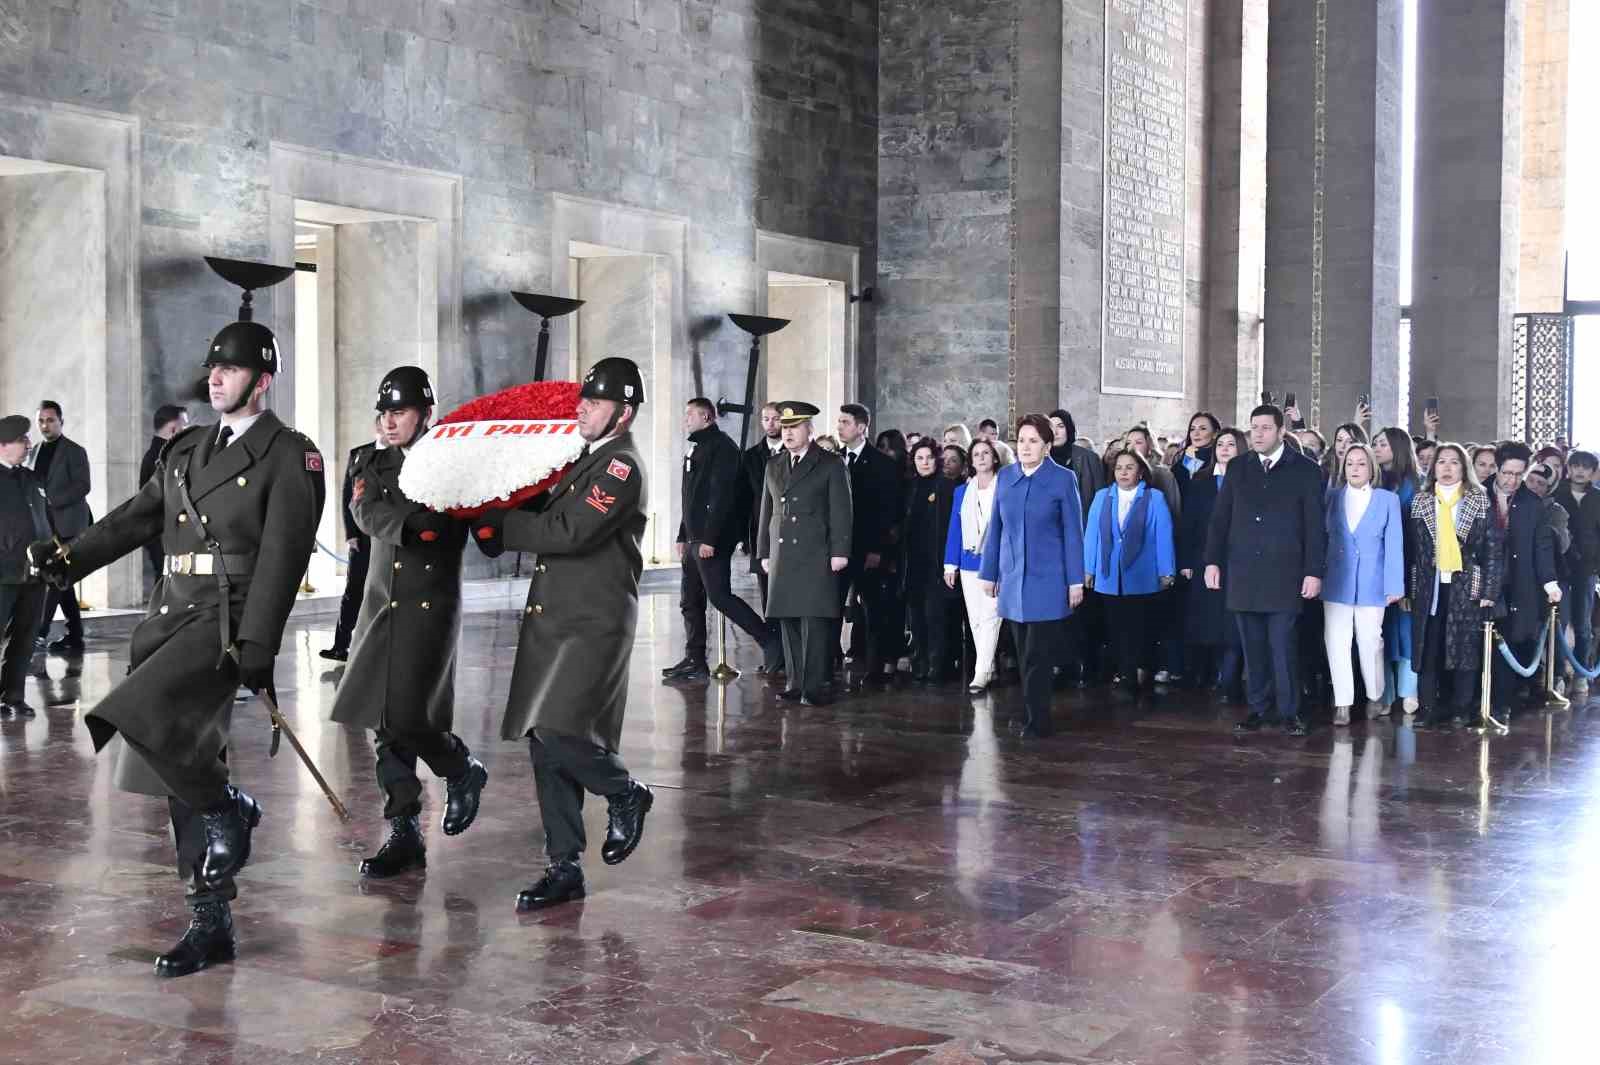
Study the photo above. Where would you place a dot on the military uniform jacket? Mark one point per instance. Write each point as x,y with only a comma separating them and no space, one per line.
260,498
20,488
402,670
805,521
571,675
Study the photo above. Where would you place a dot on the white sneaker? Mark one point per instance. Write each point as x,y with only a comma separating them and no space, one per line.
1341,715
1163,677
1410,704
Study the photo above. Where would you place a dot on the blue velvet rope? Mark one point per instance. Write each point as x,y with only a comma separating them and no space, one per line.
1517,667
1572,660
325,550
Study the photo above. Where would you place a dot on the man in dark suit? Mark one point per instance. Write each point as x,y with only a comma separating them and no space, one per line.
1581,500
170,420
707,535
754,463
1530,582
62,466
865,585
805,545
358,551
1268,541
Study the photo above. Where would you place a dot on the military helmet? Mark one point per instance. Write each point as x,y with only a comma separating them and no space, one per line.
247,345
614,378
405,386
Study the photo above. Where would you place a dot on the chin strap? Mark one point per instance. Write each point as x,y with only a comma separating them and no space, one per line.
616,416
249,393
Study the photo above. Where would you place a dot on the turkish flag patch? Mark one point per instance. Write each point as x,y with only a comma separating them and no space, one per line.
619,469
599,500
313,462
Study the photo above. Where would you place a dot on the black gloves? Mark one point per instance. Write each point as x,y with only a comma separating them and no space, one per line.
426,527
50,562
255,665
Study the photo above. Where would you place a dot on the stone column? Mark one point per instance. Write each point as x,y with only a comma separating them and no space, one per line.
1541,282
1333,206
1469,162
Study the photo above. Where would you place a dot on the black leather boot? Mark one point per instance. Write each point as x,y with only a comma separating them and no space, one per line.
625,822
461,795
228,837
403,850
562,882
209,941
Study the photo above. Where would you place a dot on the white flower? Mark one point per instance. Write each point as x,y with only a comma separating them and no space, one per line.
461,465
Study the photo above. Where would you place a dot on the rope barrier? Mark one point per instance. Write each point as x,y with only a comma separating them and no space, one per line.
1517,667
1572,660
329,552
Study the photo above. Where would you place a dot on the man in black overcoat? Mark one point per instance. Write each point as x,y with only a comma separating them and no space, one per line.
23,521
1267,543
1530,583
874,493
708,533
358,552
62,466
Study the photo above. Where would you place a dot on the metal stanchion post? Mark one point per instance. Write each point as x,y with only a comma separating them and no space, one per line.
1552,698
1487,725
723,671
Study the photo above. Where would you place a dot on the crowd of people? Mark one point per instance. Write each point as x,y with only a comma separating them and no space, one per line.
1272,564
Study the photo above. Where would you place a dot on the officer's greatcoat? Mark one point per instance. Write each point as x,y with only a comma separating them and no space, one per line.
571,675
402,670
805,521
260,500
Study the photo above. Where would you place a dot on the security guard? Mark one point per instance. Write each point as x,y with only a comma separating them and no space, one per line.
402,674
569,688
236,505
804,543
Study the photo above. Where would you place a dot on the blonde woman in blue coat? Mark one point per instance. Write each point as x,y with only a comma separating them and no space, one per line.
1128,557
1365,575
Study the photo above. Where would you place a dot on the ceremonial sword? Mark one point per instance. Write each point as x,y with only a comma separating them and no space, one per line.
269,699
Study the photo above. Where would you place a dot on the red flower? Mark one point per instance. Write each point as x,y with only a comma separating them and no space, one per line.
534,401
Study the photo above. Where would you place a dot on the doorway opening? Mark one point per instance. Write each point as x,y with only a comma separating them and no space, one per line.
806,359
627,312
365,301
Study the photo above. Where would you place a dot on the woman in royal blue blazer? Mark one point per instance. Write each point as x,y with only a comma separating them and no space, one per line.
1128,557
1365,574
1033,562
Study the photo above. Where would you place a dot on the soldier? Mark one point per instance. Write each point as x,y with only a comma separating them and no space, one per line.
804,543
569,687
402,674
236,505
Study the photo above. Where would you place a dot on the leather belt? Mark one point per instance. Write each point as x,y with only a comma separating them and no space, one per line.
204,564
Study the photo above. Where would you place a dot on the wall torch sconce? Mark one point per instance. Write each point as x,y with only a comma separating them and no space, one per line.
546,307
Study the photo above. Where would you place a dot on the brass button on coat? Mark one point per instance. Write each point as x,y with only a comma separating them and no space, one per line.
538,608
241,482
425,604
165,609
397,565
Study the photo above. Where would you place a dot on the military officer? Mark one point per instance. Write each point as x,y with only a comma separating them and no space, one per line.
402,674
569,688
803,544
24,520
236,505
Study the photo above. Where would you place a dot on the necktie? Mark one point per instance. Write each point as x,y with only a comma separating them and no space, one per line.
794,460
1266,465
222,442
850,462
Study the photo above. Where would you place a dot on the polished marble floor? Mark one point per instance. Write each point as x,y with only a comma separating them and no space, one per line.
894,878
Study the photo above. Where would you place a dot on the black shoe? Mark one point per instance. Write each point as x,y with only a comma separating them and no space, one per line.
1438,721
67,645
625,822
790,695
16,708
1252,723
228,837
693,671
561,882
819,699
1034,732
678,667
461,797
403,850
1297,727
209,941
335,654
771,658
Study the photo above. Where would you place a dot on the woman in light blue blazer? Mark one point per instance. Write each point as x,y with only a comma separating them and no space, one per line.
1365,574
1128,557
1033,562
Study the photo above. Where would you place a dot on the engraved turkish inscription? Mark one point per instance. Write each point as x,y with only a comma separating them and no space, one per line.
1145,155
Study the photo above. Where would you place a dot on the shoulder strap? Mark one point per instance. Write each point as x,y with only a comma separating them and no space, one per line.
224,585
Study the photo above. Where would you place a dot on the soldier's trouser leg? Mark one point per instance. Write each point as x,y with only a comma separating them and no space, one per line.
443,753
21,610
190,838
808,648
564,767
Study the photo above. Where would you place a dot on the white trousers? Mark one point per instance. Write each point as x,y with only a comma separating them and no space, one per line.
983,614
1340,621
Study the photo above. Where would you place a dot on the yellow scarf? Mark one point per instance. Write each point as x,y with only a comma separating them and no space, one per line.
1447,549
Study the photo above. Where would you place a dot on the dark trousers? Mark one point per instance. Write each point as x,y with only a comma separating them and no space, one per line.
67,599
194,789
809,645
1432,677
21,609
862,589
935,627
1505,682
1040,647
709,579
1131,622
761,582
564,767
355,583
442,752
189,840
1271,661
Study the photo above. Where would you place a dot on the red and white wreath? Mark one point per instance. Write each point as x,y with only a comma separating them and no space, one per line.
496,452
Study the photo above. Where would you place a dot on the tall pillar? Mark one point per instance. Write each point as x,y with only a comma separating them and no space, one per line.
1237,218
1333,206
1541,224
1469,161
